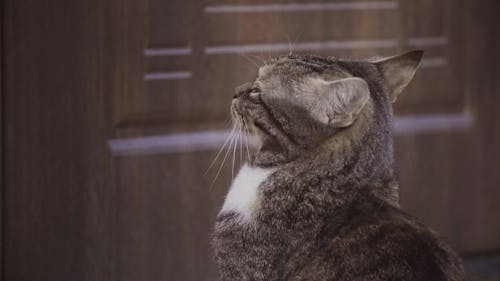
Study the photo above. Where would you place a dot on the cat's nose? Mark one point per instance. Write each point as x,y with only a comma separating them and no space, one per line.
240,90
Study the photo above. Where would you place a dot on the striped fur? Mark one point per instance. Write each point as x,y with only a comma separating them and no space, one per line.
329,211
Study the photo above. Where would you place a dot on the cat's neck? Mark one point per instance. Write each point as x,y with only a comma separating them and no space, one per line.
359,156
364,148
365,154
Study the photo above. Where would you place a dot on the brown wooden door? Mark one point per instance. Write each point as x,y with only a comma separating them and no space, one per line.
113,110
63,61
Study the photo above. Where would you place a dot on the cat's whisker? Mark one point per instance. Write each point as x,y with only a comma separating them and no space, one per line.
257,57
227,122
249,59
234,150
233,130
289,45
246,140
295,41
240,148
223,161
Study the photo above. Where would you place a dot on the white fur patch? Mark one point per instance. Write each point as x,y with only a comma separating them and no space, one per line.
243,196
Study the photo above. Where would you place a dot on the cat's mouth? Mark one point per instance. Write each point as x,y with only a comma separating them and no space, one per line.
249,131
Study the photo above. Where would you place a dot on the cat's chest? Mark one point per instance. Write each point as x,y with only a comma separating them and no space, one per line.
243,197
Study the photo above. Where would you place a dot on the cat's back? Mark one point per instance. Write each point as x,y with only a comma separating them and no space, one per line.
372,240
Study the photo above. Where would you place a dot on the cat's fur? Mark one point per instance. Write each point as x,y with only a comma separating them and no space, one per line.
329,209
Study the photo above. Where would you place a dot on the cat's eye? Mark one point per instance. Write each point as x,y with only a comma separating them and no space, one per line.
254,92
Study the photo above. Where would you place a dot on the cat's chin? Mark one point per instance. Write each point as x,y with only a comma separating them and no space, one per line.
256,140
270,153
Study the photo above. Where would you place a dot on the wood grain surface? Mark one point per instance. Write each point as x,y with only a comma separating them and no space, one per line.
78,75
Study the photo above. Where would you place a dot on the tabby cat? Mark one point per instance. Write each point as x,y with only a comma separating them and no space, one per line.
319,200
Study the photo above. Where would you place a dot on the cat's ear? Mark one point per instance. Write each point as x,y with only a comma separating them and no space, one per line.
339,102
399,70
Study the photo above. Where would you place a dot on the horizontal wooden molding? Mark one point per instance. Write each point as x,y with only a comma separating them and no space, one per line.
302,46
173,75
213,140
303,7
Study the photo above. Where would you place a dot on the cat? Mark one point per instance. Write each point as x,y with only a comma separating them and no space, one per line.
319,200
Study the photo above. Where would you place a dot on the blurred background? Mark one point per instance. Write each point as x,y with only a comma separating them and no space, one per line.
112,111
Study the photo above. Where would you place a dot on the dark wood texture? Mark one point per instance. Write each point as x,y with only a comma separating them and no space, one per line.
78,74
166,214
214,72
2,128
64,62
450,179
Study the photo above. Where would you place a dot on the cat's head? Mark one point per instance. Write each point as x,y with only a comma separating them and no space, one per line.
298,103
